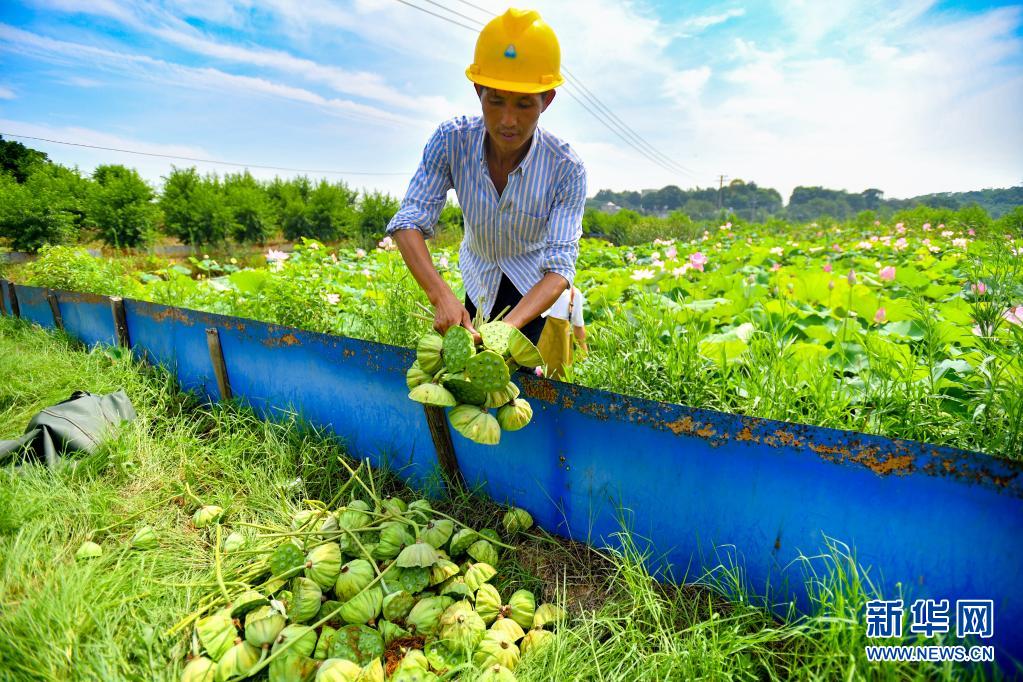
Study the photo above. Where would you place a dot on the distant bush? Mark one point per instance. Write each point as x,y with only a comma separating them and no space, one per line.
120,207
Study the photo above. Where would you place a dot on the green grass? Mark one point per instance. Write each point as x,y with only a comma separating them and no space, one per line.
108,619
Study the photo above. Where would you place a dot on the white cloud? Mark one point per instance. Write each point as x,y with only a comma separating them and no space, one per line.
6,93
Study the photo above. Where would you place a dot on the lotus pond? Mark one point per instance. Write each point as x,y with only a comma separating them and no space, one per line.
904,330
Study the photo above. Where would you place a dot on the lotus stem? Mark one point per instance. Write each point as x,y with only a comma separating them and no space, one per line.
134,516
219,567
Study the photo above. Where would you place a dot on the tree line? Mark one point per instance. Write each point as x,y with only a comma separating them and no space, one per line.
42,202
756,204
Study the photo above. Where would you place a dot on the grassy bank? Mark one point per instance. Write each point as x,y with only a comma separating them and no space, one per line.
108,619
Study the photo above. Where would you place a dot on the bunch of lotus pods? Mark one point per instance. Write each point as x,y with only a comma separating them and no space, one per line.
450,371
374,591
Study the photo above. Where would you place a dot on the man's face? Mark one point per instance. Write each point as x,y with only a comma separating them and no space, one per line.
511,117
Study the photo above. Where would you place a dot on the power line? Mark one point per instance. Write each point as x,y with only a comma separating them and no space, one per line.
189,158
610,120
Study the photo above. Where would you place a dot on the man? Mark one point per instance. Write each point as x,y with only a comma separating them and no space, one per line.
521,189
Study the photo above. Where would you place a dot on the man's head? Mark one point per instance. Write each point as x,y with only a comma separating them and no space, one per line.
511,117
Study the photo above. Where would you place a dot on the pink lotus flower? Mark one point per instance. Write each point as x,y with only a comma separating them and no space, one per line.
851,278
332,299
631,257
387,244
777,251
776,267
827,267
887,273
900,228
971,232
1014,315
538,372
360,253
947,233
671,253
877,222
927,227
276,256
900,244
960,243
642,274
941,226
678,272
979,288
880,316
366,272
698,260
443,262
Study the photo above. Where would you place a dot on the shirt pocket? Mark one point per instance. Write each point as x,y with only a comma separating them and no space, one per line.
525,230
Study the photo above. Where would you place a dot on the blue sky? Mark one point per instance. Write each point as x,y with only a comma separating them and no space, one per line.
909,96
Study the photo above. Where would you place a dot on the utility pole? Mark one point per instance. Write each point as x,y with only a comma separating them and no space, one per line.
754,207
721,187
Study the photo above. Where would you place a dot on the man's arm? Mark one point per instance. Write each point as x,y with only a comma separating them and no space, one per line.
565,227
415,221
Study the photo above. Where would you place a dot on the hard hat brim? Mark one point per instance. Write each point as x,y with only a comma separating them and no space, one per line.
512,86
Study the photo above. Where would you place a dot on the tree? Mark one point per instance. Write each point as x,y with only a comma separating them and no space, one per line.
375,211
45,209
19,160
194,208
121,207
250,207
329,213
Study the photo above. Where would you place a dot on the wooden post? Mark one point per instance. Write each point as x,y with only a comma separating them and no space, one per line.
12,291
3,298
441,435
120,321
58,319
219,366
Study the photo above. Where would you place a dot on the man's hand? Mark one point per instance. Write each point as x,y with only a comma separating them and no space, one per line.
449,312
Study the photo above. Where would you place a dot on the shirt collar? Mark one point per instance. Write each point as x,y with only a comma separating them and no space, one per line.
527,160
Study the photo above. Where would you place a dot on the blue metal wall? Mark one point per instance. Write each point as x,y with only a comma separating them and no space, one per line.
702,486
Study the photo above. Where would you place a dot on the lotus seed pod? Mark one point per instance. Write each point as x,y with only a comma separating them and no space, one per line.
497,673
329,609
323,564
394,505
442,570
372,672
487,371
432,394
216,633
306,636
461,628
418,554
324,643
354,516
424,618
428,352
199,669
461,417
437,533
461,540
479,573
496,647
338,670
247,601
535,639
416,376
510,628
358,643
482,550
517,520
502,396
237,662
363,607
414,661
412,580
515,415
263,625
464,390
354,576
523,351
490,534
393,539
496,336
397,605
306,597
521,608
488,603
390,632
455,588
306,519
421,508
485,429
234,542
458,348
204,516
145,538
291,667
548,614
286,558
88,550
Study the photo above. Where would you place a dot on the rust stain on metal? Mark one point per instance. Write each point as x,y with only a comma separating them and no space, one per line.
541,390
683,425
288,339
788,439
706,432
81,297
176,314
348,353
746,436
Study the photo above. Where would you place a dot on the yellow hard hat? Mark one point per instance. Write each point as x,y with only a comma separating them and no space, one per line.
517,51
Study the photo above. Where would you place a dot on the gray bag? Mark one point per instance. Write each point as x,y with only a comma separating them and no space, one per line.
79,424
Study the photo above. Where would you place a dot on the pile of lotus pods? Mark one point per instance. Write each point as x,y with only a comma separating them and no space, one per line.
450,371
367,592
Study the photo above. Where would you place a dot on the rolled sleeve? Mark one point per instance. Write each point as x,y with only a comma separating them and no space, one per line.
427,193
565,225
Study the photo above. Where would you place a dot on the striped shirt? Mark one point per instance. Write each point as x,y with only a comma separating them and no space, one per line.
532,228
